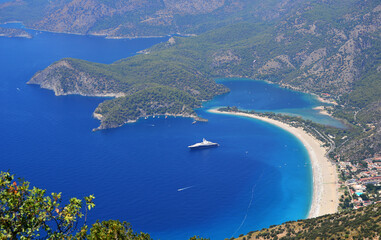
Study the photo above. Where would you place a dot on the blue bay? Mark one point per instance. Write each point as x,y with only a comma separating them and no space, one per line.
143,172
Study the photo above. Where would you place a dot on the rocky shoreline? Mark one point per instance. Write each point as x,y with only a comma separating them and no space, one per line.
100,117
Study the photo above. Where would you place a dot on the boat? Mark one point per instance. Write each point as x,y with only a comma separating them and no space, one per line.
204,144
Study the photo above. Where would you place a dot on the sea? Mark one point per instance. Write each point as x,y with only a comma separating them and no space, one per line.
144,173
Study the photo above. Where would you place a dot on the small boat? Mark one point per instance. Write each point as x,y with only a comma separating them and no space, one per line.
194,122
204,144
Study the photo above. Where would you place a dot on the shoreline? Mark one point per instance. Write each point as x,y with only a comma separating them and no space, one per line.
95,34
99,117
325,196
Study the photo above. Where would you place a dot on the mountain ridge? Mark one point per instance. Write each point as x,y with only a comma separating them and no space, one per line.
132,18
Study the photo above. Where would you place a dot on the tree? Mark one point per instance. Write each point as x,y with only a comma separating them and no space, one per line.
198,238
364,197
27,213
113,229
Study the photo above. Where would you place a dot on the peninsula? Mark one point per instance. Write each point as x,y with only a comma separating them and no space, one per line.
140,88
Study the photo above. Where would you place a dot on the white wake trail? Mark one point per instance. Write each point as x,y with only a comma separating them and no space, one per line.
248,207
182,189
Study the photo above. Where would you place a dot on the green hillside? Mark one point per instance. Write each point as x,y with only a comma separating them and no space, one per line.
148,102
364,223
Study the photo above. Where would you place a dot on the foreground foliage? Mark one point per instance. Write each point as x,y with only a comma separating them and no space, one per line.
29,213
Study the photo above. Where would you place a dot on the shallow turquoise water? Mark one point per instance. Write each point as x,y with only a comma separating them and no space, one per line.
259,176
248,94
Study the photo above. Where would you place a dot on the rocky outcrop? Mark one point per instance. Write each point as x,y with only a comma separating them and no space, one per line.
64,79
193,6
223,57
222,62
278,64
314,57
78,16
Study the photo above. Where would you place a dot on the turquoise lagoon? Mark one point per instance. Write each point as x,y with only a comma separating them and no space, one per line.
143,172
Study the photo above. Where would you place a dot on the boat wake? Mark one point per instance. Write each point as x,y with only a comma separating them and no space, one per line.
248,207
182,189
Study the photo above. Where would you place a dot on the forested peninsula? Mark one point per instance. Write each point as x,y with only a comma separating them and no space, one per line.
144,85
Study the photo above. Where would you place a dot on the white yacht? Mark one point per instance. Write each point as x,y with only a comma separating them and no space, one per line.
204,144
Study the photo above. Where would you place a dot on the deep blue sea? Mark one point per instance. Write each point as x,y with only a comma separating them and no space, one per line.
143,172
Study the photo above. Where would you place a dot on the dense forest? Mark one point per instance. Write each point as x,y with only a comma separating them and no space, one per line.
152,101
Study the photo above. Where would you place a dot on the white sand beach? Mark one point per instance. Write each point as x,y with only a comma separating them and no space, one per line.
322,110
325,187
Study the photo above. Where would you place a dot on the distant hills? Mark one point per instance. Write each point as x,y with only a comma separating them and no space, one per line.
133,18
